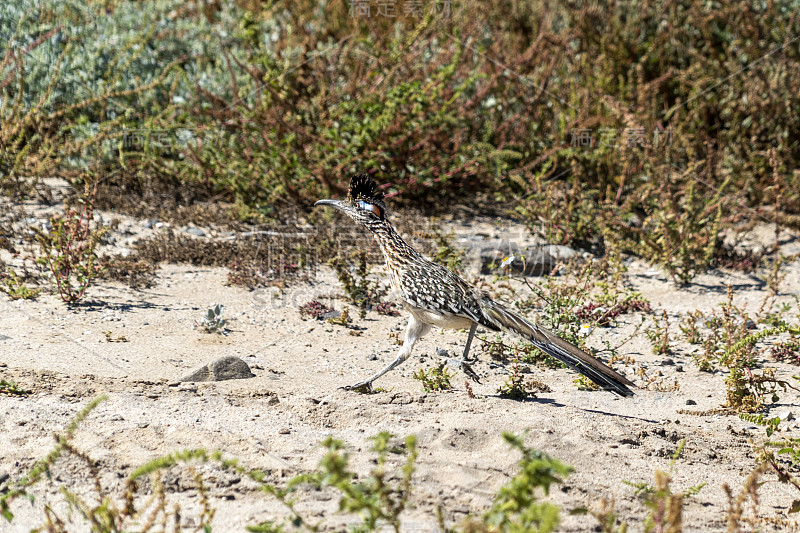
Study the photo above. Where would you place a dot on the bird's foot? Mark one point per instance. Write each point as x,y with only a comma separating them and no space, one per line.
470,373
364,387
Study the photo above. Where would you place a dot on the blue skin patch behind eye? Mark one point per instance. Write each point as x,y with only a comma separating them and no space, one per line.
365,206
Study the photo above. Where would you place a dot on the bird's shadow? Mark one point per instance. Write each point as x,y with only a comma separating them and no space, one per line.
548,401
554,403
606,413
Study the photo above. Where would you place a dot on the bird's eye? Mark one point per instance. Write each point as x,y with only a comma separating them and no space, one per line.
374,209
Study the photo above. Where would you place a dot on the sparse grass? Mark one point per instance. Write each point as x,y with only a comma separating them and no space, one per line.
375,500
135,273
359,289
665,508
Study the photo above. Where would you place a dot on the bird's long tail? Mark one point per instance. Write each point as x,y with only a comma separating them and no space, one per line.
555,346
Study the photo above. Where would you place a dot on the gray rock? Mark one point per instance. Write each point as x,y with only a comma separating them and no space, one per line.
197,232
487,256
559,252
224,368
691,402
537,261
481,256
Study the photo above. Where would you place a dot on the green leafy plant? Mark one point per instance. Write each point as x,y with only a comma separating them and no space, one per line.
68,248
434,379
515,387
212,321
375,499
60,82
517,507
447,254
343,319
682,233
14,286
12,389
658,334
780,452
665,507
690,327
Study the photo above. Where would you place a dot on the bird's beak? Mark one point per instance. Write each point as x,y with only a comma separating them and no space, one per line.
333,203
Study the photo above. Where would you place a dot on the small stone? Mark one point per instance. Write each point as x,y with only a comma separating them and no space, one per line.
678,369
785,415
197,232
147,224
691,402
667,362
284,431
372,357
224,368
442,353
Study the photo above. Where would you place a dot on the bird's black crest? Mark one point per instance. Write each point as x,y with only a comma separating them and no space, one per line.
364,188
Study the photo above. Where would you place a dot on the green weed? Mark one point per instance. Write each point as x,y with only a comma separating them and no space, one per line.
212,321
68,249
434,379
14,286
12,389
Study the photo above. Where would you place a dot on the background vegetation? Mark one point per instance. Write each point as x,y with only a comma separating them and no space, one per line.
645,122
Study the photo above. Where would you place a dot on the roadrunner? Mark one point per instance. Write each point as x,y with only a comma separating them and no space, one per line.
435,296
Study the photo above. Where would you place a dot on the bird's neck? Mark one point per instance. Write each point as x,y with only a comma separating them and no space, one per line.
395,250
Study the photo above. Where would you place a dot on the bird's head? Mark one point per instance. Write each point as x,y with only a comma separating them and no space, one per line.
364,203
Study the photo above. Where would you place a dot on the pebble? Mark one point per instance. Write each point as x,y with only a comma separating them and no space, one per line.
196,232
691,402
785,415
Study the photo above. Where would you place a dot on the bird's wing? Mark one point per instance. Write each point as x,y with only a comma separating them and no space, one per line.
447,294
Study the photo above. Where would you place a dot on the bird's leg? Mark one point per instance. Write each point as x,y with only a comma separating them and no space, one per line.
469,340
414,331
471,374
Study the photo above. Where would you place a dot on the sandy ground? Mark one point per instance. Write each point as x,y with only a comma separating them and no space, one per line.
276,420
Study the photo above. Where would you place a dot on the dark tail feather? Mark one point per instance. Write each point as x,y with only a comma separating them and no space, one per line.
570,355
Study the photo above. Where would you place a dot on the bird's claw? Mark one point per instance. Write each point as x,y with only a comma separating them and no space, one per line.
470,373
364,387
